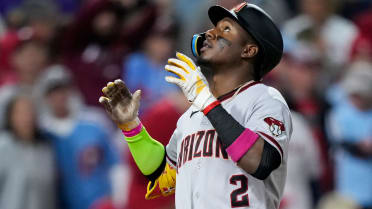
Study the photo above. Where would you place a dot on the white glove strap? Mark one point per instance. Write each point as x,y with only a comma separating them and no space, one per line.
204,99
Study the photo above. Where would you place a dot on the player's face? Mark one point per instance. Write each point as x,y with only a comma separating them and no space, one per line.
224,43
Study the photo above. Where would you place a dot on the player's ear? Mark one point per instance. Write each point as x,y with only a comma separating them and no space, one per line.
249,51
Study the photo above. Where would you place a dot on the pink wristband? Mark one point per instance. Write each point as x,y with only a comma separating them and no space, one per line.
242,144
134,131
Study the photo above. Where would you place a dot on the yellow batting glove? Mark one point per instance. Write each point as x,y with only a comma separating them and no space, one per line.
163,186
190,80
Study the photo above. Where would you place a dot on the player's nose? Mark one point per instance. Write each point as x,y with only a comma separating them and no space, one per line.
210,34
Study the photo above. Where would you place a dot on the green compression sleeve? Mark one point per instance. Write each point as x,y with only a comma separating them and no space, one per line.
146,151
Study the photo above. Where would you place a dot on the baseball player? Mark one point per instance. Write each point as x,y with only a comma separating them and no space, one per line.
229,149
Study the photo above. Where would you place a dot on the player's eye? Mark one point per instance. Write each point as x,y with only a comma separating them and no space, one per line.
226,29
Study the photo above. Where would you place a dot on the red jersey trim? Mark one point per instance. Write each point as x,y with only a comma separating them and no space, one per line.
211,106
231,93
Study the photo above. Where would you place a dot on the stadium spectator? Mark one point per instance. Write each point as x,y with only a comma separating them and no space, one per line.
278,10
150,62
362,46
195,11
27,168
10,38
85,155
350,128
304,166
102,33
27,60
299,78
319,28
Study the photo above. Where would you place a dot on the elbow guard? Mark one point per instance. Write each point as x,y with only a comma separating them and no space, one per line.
270,161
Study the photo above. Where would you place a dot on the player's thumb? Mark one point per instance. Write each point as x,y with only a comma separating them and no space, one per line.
136,97
106,104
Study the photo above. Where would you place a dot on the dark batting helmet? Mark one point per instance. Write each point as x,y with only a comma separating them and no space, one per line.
258,24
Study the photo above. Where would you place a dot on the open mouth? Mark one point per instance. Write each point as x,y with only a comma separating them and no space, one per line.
206,45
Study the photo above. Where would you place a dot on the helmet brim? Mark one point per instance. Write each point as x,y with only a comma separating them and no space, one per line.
217,13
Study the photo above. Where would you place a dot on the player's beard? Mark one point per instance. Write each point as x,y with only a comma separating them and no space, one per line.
205,67
202,62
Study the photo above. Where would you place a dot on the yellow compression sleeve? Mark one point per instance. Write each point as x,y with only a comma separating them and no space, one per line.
147,152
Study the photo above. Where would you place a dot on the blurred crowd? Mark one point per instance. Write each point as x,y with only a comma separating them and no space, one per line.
58,150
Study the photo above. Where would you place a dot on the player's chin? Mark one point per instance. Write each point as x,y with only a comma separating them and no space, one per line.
203,61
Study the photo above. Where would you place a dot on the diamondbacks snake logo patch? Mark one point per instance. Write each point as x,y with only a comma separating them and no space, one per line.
276,127
240,6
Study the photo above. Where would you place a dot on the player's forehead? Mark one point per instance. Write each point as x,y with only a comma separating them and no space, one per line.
227,20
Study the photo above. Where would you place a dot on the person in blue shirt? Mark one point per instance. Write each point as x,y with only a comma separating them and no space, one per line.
145,69
350,128
85,155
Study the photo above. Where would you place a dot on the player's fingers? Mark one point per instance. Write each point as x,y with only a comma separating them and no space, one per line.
109,89
174,80
105,90
106,103
181,64
122,88
186,59
118,93
199,85
200,73
176,70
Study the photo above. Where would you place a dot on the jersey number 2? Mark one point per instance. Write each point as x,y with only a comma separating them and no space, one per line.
238,198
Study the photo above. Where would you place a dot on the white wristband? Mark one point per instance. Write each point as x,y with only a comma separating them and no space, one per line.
204,99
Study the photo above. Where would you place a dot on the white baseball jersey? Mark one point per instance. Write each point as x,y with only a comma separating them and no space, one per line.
206,176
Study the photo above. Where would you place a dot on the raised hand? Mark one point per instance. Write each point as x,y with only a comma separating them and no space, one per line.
120,104
190,80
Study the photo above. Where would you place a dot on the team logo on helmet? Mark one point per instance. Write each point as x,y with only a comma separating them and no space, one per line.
238,7
276,127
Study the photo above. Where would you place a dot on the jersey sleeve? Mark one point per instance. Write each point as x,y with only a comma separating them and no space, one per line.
271,120
171,149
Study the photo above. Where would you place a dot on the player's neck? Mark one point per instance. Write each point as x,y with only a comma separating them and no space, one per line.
226,81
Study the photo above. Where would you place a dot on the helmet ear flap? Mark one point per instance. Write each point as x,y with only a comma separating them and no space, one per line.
197,43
